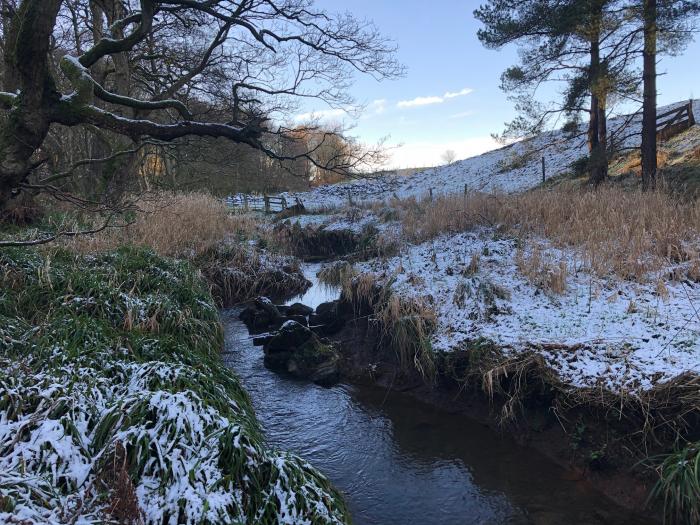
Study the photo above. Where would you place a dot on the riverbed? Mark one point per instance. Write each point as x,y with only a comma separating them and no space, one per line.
399,461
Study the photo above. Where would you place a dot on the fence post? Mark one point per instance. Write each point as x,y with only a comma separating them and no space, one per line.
691,115
245,201
266,200
284,203
544,172
350,198
431,194
465,190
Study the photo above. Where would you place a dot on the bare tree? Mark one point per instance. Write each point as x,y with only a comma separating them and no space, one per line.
139,69
449,156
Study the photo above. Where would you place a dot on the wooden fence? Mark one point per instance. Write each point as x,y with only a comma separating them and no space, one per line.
675,121
262,203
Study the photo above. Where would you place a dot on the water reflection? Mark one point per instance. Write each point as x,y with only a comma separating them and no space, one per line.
319,292
401,462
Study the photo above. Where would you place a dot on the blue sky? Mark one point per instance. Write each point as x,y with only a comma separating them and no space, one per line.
438,45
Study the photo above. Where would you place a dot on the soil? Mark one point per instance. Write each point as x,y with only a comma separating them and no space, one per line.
365,362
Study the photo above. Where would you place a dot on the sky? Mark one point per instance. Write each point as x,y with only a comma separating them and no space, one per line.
449,98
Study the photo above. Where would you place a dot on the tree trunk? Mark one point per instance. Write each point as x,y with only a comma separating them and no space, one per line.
649,110
603,135
598,157
24,129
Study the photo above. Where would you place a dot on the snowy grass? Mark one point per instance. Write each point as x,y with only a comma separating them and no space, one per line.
511,169
114,404
614,231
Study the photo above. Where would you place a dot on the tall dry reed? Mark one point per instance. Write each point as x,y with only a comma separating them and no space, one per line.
629,233
173,224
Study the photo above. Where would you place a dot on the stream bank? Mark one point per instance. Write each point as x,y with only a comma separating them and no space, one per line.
400,460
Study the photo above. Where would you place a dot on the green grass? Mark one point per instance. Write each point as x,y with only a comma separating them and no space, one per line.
114,402
679,485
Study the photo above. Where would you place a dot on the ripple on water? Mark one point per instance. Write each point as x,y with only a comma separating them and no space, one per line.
401,462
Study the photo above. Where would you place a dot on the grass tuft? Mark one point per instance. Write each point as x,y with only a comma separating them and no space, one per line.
679,485
115,406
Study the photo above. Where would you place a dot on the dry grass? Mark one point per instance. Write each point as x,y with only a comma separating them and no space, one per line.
199,227
405,324
542,271
173,224
628,233
632,163
336,274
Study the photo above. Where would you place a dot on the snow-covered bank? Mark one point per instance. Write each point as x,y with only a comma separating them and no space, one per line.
514,168
115,405
593,332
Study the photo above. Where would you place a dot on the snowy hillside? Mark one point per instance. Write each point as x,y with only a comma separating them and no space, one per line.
513,168
621,335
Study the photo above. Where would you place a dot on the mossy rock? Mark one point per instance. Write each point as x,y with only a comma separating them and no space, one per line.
315,361
297,350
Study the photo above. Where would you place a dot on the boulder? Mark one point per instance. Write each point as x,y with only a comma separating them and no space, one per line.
289,337
327,319
302,320
264,304
282,309
297,350
278,349
315,361
299,309
260,315
262,340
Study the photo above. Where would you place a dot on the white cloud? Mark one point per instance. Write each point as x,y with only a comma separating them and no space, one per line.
420,101
425,154
462,93
425,101
378,106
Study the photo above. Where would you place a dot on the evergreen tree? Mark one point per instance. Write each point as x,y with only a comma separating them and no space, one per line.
581,43
667,27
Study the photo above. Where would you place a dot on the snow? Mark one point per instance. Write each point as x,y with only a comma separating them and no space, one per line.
354,221
621,335
494,171
598,332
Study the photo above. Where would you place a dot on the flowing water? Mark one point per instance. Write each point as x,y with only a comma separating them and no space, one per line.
401,462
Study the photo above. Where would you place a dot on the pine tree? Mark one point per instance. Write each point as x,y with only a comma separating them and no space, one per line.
579,42
667,27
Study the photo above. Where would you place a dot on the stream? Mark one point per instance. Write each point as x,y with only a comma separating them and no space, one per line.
398,461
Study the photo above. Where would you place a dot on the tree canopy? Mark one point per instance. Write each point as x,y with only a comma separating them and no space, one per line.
153,71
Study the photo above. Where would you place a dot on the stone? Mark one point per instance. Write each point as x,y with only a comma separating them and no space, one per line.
289,337
282,309
298,351
262,340
315,361
299,319
299,309
327,319
264,304
260,315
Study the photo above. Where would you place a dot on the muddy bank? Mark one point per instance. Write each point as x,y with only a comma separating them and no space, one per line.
399,460
580,444
588,446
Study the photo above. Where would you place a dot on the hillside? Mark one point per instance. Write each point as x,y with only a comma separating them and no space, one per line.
513,168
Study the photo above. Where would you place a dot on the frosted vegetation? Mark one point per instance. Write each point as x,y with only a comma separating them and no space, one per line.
114,404
514,168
